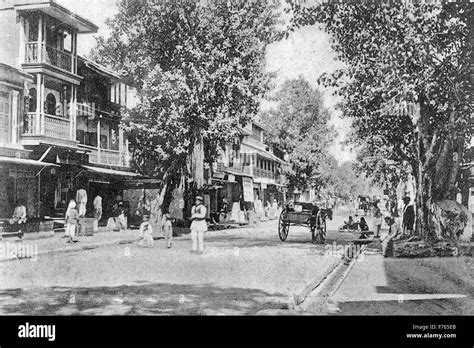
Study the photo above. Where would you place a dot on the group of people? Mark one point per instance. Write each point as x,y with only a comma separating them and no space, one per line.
76,214
198,225
396,230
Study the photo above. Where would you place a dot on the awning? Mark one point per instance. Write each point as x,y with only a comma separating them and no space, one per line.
236,172
110,171
82,25
24,161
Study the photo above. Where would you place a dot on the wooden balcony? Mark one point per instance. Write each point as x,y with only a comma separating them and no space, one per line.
44,54
108,157
44,125
262,173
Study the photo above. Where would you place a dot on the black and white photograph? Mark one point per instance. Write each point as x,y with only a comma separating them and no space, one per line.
237,158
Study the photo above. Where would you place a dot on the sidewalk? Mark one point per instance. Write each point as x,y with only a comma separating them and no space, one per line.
50,242
429,286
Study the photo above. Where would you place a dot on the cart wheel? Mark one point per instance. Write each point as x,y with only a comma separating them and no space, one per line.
319,237
283,225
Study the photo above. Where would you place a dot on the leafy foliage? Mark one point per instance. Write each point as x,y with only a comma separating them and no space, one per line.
347,184
199,71
300,127
399,56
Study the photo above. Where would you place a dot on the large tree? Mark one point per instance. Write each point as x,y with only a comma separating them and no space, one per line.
299,125
199,72
406,87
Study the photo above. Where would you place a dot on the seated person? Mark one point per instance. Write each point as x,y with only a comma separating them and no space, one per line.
18,219
350,225
364,228
290,206
363,225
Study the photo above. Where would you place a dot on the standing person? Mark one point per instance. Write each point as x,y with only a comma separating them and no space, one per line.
376,219
167,229
198,225
408,216
81,201
97,212
394,233
72,218
119,217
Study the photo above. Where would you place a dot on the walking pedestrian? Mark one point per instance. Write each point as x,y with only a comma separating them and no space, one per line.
146,232
97,212
376,219
198,225
167,229
394,233
71,221
81,201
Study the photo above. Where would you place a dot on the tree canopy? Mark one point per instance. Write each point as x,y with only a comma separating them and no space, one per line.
299,125
406,86
199,72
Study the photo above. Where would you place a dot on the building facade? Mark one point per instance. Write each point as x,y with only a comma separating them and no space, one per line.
247,175
59,113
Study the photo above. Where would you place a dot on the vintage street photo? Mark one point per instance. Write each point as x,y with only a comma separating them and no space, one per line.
201,158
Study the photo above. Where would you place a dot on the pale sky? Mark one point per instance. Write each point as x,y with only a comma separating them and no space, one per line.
305,53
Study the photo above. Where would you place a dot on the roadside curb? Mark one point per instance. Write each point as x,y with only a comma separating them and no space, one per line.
332,282
301,295
86,247
81,247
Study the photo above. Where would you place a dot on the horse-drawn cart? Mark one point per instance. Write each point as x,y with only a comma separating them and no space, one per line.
304,214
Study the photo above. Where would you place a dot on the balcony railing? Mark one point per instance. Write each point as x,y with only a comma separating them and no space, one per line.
109,157
47,125
262,173
93,109
49,55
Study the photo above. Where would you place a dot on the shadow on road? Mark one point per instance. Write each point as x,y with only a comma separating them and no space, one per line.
143,298
299,239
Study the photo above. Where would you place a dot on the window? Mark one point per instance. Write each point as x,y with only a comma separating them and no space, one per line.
51,104
33,29
32,101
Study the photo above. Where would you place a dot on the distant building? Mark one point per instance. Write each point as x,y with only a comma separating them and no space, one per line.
248,172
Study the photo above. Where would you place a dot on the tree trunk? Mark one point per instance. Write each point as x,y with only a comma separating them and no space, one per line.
161,203
436,171
194,178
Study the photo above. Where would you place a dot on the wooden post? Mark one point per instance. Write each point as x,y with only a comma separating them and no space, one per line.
22,49
98,139
121,147
38,103
14,137
72,113
40,39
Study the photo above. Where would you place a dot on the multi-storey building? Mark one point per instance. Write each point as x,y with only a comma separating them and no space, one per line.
59,113
248,172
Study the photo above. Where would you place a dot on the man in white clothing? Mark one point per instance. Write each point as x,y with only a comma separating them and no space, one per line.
198,225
